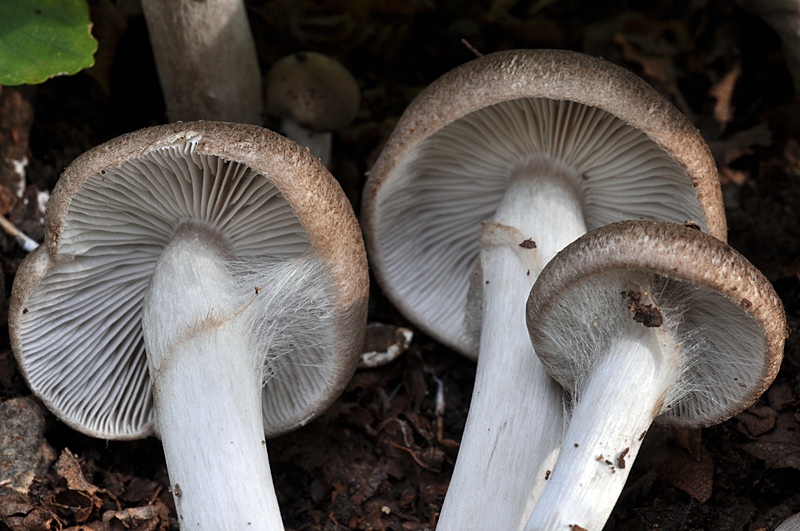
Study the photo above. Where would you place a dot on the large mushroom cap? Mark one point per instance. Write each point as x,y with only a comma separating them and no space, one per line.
445,167
721,312
77,301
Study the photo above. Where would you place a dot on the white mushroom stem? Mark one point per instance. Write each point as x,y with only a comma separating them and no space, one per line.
318,143
515,422
207,389
621,397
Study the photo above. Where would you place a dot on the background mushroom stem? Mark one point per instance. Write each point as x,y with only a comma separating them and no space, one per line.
515,423
207,390
206,60
318,143
618,402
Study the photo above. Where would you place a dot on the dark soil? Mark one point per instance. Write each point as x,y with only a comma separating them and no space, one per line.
382,456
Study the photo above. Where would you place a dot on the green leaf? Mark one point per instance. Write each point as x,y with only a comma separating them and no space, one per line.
40,39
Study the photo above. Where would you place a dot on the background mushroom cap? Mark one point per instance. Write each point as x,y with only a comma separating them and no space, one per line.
312,89
287,197
423,245
717,306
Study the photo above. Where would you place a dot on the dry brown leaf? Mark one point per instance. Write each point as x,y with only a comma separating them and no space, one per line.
153,517
679,458
780,396
722,91
780,448
756,420
80,498
741,143
656,67
69,468
40,519
90,526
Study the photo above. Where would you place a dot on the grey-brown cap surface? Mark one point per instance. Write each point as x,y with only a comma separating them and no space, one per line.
313,90
76,303
721,312
444,169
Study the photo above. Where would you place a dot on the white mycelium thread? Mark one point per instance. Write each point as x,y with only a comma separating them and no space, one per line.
290,325
710,329
623,374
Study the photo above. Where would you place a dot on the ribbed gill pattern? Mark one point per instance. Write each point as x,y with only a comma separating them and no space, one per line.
114,231
431,208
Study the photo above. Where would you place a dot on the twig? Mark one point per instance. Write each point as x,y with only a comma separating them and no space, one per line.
23,240
471,48
414,456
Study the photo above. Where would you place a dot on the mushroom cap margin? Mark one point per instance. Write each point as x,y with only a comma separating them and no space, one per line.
678,253
315,197
544,73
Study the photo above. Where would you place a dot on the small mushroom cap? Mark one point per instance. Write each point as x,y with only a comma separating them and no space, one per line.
76,304
722,314
312,89
444,169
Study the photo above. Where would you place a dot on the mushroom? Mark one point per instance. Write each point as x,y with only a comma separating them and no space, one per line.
790,524
206,60
202,281
641,320
489,172
312,94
